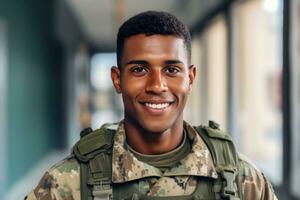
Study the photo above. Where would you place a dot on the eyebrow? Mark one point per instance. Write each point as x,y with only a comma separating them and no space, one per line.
173,62
139,62
143,62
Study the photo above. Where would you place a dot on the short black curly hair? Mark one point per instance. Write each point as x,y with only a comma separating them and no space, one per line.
151,23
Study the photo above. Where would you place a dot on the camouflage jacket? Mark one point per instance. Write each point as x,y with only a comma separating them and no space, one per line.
62,181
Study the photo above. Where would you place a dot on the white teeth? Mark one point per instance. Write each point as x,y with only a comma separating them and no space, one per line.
157,106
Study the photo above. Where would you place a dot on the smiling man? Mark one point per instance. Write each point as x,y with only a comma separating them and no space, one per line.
154,77
153,153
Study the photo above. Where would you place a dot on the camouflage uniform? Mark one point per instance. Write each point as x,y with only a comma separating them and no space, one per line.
62,181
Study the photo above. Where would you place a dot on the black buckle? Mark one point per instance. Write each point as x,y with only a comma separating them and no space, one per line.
229,189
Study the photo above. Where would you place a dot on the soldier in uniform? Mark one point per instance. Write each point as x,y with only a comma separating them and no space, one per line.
153,153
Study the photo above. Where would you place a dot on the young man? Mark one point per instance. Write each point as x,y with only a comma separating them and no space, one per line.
153,153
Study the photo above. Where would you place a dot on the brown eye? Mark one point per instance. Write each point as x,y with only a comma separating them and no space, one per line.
173,70
139,70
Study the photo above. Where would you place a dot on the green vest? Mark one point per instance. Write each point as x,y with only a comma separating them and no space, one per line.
94,150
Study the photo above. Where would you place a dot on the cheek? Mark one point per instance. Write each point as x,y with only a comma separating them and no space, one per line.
180,86
131,88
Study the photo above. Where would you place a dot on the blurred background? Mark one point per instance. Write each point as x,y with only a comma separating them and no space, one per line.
55,59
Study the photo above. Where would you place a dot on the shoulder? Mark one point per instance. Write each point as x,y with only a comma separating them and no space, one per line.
66,173
254,183
247,165
69,165
60,182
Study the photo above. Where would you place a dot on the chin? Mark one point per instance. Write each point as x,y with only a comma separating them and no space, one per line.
156,127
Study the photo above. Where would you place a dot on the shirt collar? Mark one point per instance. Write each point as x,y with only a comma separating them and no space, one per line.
126,167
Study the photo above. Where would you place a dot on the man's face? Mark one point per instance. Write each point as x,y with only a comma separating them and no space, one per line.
155,79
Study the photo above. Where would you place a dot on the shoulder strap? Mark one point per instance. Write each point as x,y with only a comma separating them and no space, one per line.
225,158
93,152
93,142
94,149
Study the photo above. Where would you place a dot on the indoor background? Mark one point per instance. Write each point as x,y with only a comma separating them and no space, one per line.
55,59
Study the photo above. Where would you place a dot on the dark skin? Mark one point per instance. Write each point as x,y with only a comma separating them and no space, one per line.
155,79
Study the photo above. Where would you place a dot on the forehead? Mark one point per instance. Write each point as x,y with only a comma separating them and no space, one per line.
158,47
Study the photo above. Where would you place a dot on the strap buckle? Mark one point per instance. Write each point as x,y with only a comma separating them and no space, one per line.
102,191
229,189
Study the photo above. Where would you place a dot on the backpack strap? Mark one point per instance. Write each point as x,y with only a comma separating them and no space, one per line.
225,158
94,149
93,152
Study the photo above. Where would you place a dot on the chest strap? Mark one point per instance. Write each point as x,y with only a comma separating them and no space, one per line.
93,151
94,157
226,161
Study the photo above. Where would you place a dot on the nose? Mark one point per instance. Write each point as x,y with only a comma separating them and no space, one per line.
156,83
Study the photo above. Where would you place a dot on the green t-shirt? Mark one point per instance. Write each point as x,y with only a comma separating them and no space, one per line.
166,160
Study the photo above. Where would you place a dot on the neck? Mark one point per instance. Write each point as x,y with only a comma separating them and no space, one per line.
147,142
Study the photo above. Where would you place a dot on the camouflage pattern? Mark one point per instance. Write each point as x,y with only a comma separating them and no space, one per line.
178,180
254,185
62,181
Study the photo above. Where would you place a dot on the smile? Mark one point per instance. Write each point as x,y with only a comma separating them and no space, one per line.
158,106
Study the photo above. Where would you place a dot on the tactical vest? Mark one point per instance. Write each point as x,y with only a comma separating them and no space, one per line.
94,150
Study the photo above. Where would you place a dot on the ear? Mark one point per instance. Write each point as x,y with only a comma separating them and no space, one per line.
115,74
192,75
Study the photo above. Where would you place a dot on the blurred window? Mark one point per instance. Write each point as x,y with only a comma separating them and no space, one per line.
295,89
106,104
193,112
208,100
257,58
